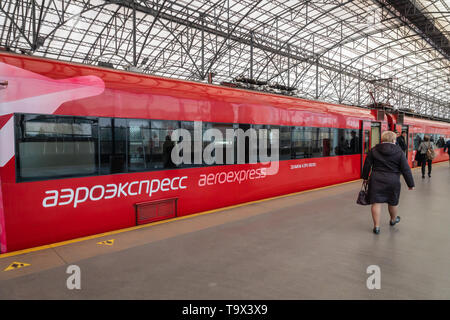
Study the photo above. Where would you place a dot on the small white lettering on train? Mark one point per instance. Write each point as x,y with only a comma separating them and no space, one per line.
303,165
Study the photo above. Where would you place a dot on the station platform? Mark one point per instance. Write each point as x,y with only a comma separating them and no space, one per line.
312,245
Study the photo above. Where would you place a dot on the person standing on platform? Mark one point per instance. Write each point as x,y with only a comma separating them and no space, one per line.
384,163
401,141
447,148
424,146
354,143
440,143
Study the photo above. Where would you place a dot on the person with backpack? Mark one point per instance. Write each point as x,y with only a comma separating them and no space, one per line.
426,150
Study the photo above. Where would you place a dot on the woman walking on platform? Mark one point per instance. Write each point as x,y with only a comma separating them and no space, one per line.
386,161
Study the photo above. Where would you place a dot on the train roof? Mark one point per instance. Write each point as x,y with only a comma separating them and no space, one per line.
141,84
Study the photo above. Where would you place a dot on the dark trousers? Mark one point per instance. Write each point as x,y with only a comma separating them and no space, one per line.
424,163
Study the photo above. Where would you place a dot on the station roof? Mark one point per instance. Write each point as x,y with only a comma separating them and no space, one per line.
330,50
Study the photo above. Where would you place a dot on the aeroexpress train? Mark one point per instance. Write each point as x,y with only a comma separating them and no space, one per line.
86,150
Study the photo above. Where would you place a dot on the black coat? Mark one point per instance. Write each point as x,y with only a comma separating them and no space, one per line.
387,161
447,147
401,143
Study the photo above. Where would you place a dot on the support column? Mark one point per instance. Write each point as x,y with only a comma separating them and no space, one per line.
134,36
251,54
317,78
289,65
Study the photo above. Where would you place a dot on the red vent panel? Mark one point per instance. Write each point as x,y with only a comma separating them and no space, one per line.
152,211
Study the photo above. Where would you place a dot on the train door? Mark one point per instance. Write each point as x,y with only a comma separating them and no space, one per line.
371,136
406,129
365,140
411,152
375,134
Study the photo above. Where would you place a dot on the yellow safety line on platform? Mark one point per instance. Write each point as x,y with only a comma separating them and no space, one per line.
99,235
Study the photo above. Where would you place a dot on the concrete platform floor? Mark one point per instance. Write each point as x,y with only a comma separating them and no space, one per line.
314,245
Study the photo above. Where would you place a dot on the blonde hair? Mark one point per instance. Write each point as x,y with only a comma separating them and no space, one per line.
388,136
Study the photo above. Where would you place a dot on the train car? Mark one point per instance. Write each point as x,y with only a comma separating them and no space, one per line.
85,150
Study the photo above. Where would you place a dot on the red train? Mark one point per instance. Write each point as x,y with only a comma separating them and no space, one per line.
83,150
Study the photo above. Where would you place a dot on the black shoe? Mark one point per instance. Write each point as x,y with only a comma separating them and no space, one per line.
397,220
423,177
376,230
429,175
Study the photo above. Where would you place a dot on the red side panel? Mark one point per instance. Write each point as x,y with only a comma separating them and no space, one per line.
30,224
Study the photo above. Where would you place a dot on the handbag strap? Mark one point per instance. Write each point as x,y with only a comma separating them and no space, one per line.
365,185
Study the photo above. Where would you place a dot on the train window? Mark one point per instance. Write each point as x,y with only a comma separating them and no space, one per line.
354,144
195,153
298,137
324,142
120,151
106,137
218,141
139,145
334,133
106,140
113,145
51,147
161,145
343,146
328,142
308,140
348,142
316,143
285,143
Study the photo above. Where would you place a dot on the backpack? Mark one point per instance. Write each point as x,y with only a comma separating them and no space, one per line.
430,152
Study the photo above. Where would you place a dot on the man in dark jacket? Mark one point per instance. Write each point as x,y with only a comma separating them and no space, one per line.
386,161
447,148
354,143
401,142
